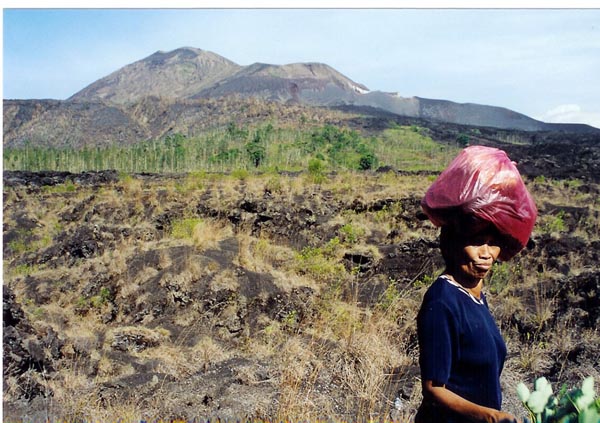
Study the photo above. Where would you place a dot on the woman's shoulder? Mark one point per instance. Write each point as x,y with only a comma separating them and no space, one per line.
440,285
440,291
439,301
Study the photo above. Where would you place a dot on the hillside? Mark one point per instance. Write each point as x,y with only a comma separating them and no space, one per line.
306,83
205,296
188,90
53,123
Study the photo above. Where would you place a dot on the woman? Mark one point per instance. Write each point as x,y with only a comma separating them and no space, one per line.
461,349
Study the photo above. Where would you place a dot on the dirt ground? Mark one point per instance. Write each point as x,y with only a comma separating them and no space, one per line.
160,297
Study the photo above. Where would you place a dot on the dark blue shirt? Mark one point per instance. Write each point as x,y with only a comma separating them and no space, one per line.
460,346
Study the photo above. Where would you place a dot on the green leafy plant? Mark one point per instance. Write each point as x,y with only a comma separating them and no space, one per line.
184,228
67,186
391,296
502,276
424,281
556,223
463,140
578,405
102,298
256,150
350,234
367,161
316,170
321,263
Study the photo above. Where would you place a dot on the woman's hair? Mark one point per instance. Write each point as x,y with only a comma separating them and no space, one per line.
448,238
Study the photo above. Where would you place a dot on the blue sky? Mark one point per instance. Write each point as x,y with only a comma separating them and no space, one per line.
541,62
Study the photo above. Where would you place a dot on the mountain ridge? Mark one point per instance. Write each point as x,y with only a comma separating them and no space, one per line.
184,90
311,83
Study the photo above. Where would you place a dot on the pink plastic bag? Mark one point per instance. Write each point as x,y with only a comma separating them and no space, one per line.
484,182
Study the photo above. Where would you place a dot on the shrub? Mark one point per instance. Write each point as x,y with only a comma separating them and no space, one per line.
424,281
390,296
316,170
256,152
321,263
463,140
68,186
274,184
241,174
184,228
350,234
367,161
102,298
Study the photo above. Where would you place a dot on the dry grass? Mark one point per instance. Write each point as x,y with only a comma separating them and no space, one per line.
181,362
533,359
339,361
225,279
209,232
543,307
366,351
130,185
262,255
370,354
298,368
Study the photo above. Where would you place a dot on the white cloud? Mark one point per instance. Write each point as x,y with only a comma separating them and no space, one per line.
571,113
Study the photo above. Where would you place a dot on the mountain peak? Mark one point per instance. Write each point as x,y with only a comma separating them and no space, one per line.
171,74
186,54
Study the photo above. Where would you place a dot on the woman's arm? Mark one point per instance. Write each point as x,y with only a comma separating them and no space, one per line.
459,405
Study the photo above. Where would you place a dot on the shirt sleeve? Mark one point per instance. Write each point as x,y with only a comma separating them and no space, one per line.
436,328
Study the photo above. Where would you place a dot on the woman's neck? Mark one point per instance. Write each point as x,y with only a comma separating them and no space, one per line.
474,286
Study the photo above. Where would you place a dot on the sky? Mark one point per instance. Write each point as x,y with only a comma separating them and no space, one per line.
544,63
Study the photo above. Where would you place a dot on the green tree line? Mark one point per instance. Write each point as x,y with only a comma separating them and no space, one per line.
264,147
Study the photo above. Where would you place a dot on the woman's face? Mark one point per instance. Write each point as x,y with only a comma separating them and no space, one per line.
475,254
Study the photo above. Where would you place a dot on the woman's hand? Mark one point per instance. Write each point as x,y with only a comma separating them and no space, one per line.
502,417
471,411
